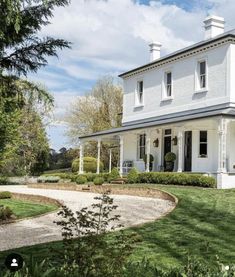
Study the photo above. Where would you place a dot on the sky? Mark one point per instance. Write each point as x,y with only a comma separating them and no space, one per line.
110,37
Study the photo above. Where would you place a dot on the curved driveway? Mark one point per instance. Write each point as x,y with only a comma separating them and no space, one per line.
133,210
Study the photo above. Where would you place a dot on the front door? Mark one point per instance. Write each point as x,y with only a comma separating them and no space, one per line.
188,151
167,147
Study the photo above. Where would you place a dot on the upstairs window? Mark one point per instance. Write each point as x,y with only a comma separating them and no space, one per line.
168,84
201,75
141,146
203,144
140,93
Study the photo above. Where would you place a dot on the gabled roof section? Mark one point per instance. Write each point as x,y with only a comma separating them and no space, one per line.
218,40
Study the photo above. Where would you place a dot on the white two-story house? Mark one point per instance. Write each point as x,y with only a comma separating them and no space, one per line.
183,103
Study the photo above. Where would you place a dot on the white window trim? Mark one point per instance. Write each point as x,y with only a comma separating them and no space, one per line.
199,142
197,88
138,147
137,103
166,98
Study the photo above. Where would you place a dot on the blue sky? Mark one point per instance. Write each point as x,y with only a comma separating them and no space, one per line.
108,40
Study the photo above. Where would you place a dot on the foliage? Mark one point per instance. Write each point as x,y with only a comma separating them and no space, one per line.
114,174
98,110
4,181
132,176
5,213
23,51
63,158
89,165
85,244
98,181
194,267
48,179
151,158
81,180
170,157
5,194
183,179
62,175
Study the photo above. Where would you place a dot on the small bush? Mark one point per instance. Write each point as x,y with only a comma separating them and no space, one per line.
170,157
5,195
81,180
98,181
132,176
89,165
114,174
4,181
48,179
5,213
183,179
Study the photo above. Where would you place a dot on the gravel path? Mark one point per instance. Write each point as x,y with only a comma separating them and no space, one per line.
133,210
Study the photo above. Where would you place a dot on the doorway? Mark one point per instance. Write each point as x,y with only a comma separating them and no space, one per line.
188,151
167,143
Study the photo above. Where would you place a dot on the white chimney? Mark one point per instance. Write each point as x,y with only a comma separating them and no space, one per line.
214,26
155,51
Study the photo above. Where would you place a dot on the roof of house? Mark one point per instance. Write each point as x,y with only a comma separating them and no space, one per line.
169,119
230,33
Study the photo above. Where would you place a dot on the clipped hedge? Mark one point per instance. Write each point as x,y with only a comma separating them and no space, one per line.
48,179
98,181
89,165
81,180
4,181
5,195
132,176
182,179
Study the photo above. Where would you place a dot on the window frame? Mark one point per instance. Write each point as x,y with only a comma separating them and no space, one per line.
139,146
203,143
139,103
198,88
165,96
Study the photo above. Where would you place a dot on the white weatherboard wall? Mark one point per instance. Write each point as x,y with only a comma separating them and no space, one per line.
184,96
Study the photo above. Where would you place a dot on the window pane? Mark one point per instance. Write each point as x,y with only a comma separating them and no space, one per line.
140,87
168,78
203,81
141,146
203,136
202,68
203,149
168,132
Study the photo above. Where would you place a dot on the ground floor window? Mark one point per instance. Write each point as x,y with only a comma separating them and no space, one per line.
141,146
203,144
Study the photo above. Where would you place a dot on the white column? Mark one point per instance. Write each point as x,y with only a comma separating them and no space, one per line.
121,156
180,150
148,140
222,132
81,159
110,160
98,156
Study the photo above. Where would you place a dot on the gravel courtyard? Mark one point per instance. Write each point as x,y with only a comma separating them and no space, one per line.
133,210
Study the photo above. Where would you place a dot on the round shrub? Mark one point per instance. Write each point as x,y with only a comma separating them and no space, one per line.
5,195
132,176
114,174
5,213
89,165
98,181
170,157
81,180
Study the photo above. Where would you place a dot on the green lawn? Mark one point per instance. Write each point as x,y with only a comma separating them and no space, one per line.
203,224
24,208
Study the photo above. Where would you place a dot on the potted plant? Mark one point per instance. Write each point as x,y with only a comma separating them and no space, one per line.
151,159
170,158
